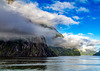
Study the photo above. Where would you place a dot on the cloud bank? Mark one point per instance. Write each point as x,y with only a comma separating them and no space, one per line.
38,16
13,23
77,41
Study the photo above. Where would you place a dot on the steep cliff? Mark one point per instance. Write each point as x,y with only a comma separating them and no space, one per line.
25,48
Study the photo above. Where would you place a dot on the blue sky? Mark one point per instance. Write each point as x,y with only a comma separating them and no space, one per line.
87,12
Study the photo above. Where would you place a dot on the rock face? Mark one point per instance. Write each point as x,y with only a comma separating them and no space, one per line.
25,48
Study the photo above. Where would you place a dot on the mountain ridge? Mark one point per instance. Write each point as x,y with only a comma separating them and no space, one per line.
23,48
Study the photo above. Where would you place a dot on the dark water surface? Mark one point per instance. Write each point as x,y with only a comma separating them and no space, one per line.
62,63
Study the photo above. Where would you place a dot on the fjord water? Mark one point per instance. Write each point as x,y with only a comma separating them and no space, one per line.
62,63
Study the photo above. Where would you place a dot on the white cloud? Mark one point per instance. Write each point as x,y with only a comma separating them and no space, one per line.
77,41
82,9
76,17
65,7
36,15
81,34
61,6
90,34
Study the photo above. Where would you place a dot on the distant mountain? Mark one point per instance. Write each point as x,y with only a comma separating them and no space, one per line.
25,48
65,51
88,52
97,54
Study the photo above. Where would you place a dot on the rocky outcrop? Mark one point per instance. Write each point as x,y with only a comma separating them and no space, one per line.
25,48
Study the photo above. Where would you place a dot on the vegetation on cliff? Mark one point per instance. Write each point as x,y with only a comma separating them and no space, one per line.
65,51
88,52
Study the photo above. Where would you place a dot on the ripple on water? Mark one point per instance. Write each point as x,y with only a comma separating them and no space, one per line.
63,63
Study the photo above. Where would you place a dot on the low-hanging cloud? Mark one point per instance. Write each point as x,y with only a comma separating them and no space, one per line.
14,24
77,41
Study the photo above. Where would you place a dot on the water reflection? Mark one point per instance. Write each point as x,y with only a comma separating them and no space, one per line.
64,63
22,63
